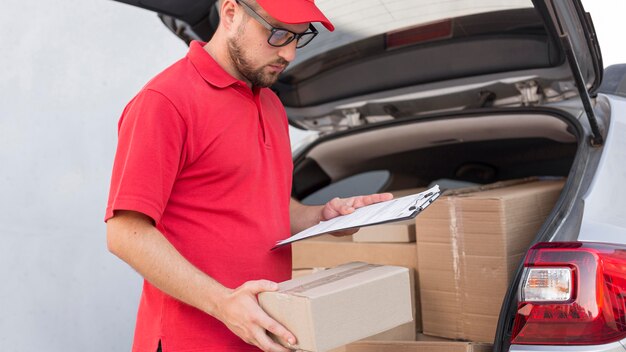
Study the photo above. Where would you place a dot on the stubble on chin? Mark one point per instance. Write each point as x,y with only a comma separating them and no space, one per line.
256,76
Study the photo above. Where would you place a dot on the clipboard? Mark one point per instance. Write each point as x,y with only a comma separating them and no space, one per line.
398,209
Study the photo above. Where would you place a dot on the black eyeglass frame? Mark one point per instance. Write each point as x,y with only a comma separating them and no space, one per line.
312,32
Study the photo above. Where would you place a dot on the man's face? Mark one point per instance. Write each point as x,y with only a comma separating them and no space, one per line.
256,60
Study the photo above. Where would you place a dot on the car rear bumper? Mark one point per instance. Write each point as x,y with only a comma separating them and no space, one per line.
611,347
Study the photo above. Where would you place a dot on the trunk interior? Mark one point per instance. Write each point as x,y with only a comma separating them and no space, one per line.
478,148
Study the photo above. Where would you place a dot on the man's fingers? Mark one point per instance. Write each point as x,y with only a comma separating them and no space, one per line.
362,201
265,343
277,329
332,208
383,197
339,206
348,205
257,286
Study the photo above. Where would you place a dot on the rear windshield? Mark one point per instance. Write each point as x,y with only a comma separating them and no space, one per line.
358,19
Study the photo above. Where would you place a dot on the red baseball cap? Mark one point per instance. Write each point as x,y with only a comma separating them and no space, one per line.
295,11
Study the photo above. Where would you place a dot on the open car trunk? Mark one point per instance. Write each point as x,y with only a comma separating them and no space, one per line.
504,172
478,148
457,119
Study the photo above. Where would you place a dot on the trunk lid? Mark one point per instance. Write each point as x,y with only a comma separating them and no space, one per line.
396,59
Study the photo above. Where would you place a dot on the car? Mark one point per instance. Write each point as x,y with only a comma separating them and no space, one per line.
410,93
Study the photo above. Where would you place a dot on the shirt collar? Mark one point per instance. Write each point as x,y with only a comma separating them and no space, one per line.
208,68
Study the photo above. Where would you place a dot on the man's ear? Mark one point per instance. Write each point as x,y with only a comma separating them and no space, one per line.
228,13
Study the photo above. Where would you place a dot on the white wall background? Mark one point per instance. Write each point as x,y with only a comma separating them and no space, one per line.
67,70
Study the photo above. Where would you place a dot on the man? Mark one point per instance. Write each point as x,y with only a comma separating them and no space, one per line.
201,185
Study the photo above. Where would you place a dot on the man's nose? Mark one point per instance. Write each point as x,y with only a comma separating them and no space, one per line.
288,52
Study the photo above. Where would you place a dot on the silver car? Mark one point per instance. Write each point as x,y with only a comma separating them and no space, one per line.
406,93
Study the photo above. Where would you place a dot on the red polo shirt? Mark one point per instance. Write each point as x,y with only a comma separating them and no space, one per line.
208,159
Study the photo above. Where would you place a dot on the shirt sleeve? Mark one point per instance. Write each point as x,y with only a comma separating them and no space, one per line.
149,156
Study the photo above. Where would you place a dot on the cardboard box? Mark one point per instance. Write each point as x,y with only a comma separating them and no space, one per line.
469,243
421,343
404,332
401,231
316,252
337,306
304,272
417,346
399,333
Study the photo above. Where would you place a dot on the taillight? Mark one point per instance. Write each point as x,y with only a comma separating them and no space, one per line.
572,293
419,34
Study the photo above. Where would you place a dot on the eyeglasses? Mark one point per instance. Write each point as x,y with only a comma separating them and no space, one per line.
279,36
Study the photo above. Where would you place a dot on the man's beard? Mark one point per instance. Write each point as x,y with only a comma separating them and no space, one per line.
256,76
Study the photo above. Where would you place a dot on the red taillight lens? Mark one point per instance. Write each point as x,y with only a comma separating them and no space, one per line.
595,310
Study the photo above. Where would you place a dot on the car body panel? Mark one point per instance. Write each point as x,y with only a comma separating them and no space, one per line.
605,201
610,347
564,222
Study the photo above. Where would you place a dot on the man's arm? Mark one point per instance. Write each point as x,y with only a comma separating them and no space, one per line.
304,216
132,237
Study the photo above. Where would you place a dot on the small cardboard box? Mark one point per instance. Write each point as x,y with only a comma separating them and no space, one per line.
316,253
469,245
304,272
404,332
337,306
401,231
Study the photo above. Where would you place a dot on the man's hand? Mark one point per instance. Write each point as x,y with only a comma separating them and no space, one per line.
241,313
305,216
344,206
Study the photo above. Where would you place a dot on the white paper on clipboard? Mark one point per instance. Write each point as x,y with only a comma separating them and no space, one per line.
392,210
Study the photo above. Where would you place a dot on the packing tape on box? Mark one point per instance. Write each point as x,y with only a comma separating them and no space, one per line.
460,192
458,249
332,278
459,256
456,237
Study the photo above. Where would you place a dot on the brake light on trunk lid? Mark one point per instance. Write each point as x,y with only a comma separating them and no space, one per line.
419,34
573,293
